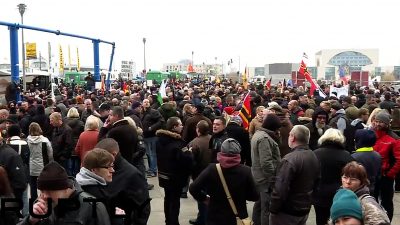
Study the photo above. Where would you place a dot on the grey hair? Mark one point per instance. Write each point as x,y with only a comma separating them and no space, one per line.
301,133
92,123
333,135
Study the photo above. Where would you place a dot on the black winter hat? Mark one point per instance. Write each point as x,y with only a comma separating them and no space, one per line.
53,177
364,138
272,122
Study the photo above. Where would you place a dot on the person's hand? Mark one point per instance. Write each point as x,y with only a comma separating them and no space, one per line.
107,123
119,211
39,208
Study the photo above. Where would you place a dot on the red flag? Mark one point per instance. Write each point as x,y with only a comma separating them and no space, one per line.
268,84
190,68
245,112
303,70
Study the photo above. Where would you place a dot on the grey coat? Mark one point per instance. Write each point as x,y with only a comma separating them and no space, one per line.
266,157
36,158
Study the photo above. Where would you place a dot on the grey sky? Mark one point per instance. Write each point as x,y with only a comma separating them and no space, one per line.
258,31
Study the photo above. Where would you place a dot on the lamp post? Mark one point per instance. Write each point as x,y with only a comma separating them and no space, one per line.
144,55
22,8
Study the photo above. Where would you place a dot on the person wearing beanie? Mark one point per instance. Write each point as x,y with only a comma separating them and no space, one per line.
346,207
238,178
300,169
354,178
235,130
265,157
54,184
317,126
389,149
366,156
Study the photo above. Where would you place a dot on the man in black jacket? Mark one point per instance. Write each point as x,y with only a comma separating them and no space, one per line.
235,130
295,181
61,142
118,128
128,189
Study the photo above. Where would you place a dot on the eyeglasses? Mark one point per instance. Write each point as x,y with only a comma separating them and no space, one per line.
108,167
351,179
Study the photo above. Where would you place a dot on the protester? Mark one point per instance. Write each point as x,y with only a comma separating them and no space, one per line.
41,153
265,156
88,138
128,189
354,178
62,193
332,157
208,188
296,178
201,158
346,209
388,146
174,161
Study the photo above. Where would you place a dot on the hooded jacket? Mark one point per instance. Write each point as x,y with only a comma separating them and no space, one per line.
36,144
174,160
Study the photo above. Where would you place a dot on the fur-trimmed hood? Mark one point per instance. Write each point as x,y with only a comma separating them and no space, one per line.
168,133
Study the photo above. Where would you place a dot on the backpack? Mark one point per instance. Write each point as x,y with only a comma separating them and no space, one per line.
373,212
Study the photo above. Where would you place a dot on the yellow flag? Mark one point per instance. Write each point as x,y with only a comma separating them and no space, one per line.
61,59
244,78
78,66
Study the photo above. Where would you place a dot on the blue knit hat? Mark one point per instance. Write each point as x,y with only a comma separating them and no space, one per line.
346,203
364,138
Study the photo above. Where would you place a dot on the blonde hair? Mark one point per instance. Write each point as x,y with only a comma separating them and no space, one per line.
333,135
73,113
372,116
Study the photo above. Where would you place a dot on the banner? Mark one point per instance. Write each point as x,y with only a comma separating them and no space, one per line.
31,51
339,91
61,59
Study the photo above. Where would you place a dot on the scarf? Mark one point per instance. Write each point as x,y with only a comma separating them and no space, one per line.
87,177
228,160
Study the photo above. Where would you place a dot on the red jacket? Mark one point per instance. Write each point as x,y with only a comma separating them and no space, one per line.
389,149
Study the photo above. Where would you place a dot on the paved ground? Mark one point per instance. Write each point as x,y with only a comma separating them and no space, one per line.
189,208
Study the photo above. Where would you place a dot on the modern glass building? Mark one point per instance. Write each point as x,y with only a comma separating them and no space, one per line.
335,63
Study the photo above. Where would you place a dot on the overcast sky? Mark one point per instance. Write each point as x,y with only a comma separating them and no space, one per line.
257,31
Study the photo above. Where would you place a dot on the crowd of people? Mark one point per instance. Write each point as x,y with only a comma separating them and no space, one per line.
339,154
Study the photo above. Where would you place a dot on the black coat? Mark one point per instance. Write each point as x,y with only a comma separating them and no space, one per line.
332,158
189,131
242,136
126,136
61,142
128,191
174,161
10,160
44,124
241,187
152,120
77,127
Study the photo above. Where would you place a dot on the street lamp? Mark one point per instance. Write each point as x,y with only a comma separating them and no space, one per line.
22,8
192,58
144,55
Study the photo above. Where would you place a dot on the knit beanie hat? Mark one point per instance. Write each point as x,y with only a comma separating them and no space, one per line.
383,116
135,105
53,177
364,138
229,110
272,122
236,119
230,146
346,203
